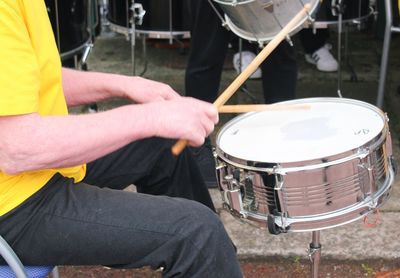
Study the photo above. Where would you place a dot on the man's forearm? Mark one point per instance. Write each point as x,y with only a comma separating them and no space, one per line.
87,87
33,142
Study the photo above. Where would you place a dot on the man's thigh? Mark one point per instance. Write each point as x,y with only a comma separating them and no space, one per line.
150,165
69,223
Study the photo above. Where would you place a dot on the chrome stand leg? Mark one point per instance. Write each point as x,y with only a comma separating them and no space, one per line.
244,88
353,77
385,53
314,253
144,54
136,18
133,60
339,47
133,39
171,40
144,51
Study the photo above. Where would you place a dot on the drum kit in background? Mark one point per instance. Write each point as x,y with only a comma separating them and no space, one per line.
251,22
163,19
74,24
148,19
261,20
77,22
285,170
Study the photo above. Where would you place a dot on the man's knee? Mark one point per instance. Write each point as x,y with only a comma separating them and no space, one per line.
203,225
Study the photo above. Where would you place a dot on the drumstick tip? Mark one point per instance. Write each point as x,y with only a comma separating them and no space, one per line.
178,147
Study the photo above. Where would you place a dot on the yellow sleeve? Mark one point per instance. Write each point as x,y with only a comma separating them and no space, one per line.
19,71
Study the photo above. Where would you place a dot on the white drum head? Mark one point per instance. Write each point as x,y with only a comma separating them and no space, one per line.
330,126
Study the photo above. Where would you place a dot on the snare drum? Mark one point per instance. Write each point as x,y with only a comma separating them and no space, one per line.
69,20
261,20
355,11
305,169
163,18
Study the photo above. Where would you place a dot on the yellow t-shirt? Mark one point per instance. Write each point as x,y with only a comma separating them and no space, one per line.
30,82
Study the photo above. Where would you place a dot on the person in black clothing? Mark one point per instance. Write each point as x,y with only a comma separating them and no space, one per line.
209,44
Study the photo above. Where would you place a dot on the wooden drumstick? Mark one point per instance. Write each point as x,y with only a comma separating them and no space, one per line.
244,108
241,78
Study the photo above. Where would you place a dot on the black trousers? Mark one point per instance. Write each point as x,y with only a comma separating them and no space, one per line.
94,222
312,41
209,44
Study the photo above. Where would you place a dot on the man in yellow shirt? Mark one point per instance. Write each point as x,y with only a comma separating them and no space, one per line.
61,175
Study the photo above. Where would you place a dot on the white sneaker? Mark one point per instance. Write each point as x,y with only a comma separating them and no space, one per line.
247,57
323,59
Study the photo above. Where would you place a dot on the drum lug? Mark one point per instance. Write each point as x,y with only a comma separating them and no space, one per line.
278,182
234,202
221,17
362,153
311,21
289,40
232,183
220,169
311,24
138,13
387,118
337,7
234,3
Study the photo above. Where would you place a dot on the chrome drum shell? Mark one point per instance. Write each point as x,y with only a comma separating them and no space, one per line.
261,20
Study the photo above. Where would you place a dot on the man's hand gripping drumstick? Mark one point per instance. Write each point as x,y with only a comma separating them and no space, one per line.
241,78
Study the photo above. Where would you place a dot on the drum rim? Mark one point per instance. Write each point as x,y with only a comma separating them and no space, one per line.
360,19
294,166
153,34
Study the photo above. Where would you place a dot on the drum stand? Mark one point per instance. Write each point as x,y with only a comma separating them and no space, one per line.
136,18
314,253
389,28
338,10
243,88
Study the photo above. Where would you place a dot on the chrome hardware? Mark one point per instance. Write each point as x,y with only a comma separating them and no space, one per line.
278,182
233,196
138,13
289,40
88,48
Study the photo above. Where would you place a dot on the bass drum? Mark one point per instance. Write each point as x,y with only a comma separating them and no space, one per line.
69,20
163,18
354,11
261,20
